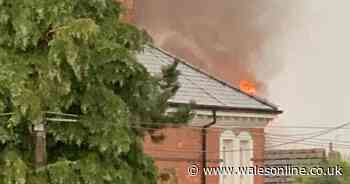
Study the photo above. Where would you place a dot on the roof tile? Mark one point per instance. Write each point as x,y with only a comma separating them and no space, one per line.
195,85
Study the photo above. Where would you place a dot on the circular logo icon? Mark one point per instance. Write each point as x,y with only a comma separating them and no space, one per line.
193,170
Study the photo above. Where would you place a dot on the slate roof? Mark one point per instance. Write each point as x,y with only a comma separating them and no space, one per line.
198,86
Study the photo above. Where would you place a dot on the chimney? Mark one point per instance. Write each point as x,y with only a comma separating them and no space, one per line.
129,15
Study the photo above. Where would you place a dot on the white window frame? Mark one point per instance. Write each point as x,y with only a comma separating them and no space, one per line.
229,135
243,136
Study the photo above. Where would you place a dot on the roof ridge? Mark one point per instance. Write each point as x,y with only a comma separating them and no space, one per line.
183,61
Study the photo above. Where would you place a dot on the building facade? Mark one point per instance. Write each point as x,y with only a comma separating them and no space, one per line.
228,127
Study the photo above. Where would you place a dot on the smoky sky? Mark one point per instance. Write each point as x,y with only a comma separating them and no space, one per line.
223,37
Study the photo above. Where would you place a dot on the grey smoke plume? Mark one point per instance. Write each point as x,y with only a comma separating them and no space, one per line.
224,37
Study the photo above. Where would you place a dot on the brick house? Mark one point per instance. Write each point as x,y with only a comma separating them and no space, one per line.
228,128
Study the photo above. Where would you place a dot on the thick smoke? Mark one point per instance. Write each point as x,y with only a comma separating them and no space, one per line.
223,37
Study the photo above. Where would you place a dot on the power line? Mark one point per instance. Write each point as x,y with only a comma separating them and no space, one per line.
191,150
317,135
175,125
286,143
290,135
313,144
294,137
62,114
7,114
61,120
214,129
302,127
284,140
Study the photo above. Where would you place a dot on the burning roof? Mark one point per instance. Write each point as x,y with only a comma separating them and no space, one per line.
204,89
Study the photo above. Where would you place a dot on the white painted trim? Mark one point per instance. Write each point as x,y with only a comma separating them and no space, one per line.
231,121
227,135
230,113
246,123
236,114
245,136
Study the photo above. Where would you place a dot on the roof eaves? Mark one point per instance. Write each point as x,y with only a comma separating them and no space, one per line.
228,108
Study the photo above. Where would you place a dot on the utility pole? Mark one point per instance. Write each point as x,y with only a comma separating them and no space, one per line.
39,139
330,147
40,145
40,132
333,155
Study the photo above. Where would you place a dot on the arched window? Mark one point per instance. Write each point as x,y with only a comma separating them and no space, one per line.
236,151
229,155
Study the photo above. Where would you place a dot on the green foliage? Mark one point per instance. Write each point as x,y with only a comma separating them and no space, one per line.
77,57
328,178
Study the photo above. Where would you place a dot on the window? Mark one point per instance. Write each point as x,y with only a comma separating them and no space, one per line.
246,155
236,151
228,143
228,157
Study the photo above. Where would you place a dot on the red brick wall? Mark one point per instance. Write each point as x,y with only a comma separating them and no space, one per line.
180,147
259,151
183,146
129,15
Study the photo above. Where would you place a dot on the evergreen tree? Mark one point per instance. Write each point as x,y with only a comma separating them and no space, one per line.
77,57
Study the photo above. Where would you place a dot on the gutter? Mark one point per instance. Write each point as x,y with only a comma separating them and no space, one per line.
228,108
204,145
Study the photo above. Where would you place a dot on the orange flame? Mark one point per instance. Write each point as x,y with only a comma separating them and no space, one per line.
247,87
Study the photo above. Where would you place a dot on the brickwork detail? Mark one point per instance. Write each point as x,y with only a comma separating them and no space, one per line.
182,147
